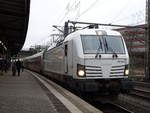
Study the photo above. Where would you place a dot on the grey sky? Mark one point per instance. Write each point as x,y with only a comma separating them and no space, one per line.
45,13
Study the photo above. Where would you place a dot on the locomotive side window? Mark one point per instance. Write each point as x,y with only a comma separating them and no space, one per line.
66,49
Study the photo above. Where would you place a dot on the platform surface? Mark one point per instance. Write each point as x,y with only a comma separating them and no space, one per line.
25,94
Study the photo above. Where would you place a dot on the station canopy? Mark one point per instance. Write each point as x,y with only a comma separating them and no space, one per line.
14,16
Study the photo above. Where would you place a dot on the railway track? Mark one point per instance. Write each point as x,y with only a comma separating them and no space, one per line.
141,84
138,100
114,108
141,93
141,90
134,103
110,107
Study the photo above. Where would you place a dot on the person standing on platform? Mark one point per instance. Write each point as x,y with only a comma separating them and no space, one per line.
14,68
18,66
22,66
5,66
1,66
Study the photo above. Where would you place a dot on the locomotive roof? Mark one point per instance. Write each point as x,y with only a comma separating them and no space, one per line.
93,32
35,55
88,32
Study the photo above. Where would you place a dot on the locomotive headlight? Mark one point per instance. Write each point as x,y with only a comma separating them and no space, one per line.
81,73
80,70
126,71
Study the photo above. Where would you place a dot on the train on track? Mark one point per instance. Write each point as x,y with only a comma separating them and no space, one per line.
87,60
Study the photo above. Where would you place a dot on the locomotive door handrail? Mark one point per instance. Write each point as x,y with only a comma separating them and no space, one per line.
66,56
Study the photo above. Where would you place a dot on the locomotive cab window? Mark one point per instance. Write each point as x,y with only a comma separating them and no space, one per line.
114,44
91,43
102,44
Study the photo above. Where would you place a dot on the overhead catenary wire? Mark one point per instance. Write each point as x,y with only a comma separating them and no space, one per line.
137,17
65,13
132,15
68,6
120,11
90,7
82,13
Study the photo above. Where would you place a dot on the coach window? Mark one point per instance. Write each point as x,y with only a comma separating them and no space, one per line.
66,49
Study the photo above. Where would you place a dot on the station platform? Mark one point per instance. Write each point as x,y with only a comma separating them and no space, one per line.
27,94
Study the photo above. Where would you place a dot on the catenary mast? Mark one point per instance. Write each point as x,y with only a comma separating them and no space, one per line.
147,41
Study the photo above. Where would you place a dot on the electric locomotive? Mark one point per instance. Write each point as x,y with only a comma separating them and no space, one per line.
89,60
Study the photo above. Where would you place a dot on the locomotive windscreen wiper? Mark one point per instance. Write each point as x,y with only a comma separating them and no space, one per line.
99,48
110,48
